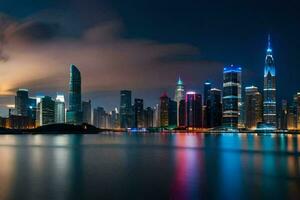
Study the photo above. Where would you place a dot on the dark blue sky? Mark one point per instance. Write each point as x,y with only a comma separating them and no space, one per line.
222,33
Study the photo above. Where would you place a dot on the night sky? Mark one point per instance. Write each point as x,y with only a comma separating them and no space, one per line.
143,45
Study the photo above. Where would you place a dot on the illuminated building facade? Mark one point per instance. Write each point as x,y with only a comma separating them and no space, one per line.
269,105
138,113
60,109
125,109
284,115
179,95
22,102
47,111
74,114
168,112
231,96
206,107
193,109
253,107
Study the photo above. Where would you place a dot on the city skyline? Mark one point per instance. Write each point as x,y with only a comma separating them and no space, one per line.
109,43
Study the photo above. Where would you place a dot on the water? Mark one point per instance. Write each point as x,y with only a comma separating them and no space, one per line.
149,166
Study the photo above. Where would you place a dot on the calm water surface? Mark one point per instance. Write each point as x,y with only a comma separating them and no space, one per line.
149,166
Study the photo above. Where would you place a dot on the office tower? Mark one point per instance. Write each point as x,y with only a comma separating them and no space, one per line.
156,116
32,109
125,109
291,117
253,107
115,115
74,114
164,110
269,113
297,110
284,115
172,114
60,109
46,111
87,112
215,108
231,96
193,110
206,112
21,102
179,95
148,117
182,113
99,115
138,113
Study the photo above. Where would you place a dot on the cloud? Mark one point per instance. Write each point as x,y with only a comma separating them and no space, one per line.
39,54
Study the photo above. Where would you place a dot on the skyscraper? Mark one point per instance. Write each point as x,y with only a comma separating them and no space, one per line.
74,114
231,96
148,117
182,113
253,107
193,110
297,110
138,113
179,95
22,102
206,111
164,110
60,109
284,115
125,109
99,117
87,112
215,108
269,113
46,111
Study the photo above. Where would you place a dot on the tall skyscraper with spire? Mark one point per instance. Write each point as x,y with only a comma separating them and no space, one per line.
179,95
269,114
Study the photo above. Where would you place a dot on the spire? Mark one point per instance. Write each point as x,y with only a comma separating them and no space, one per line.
179,82
269,49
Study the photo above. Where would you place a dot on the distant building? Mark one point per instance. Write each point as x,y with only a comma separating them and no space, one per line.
179,95
99,117
74,114
214,105
32,108
182,113
148,117
138,113
206,111
297,110
46,111
126,114
19,122
231,96
22,102
164,110
115,115
253,107
60,109
87,112
284,115
193,110
172,114
269,112
156,116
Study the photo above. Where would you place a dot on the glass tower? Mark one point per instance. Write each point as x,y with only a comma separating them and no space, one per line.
125,109
269,113
74,114
179,95
231,96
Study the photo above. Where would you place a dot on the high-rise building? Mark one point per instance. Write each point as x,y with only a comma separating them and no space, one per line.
99,116
206,111
126,117
182,113
297,110
32,109
138,113
87,112
148,118
46,111
291,118
179,95
156,116
231,96
60,109
193,110
269,113
74,114
172,114
253,107
164,110
284,115
115,115
22,102
214,104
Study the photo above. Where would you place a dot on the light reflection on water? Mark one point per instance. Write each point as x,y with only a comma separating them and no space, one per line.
150,166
